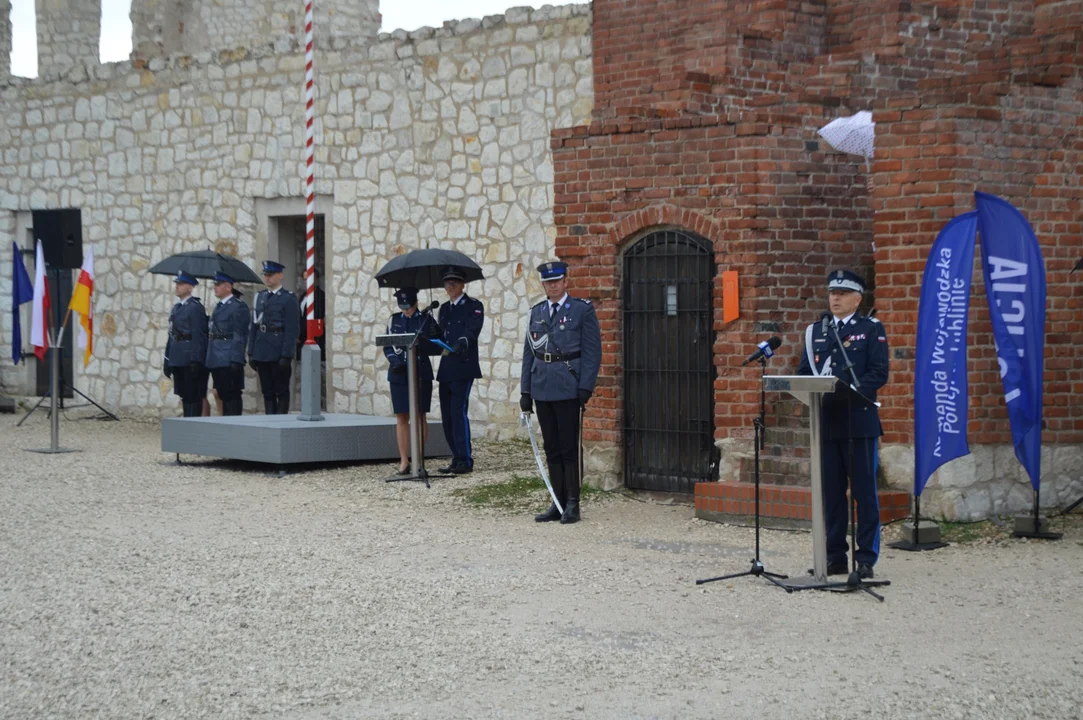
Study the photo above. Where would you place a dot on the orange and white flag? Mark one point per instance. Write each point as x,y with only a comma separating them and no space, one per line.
80,304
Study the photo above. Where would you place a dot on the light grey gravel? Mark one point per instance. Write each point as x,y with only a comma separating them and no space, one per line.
134,588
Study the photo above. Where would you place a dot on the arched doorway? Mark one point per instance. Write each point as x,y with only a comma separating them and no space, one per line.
669,372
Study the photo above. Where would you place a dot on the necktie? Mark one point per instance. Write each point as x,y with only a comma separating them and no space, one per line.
552,310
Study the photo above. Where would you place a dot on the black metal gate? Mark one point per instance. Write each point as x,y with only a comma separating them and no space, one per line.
669,363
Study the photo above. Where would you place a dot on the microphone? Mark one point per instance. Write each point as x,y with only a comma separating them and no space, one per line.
435,304
765,350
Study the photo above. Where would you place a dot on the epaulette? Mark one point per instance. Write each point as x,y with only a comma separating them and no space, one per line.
197,300
870,317
539,304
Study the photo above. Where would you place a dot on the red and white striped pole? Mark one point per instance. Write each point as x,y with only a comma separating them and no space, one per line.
314,326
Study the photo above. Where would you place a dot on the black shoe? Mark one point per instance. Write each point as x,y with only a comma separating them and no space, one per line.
550,515
461,469
402,473
571,512
447,468
838,569
864,571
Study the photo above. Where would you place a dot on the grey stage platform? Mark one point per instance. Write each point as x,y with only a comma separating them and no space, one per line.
284,439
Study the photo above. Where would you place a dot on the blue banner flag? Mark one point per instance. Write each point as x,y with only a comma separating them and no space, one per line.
22,290
1015,286
940,384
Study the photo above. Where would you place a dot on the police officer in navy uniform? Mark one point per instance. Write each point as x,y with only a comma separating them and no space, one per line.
186,347
561,359
226,337
409,320
460,323
851,425
273,338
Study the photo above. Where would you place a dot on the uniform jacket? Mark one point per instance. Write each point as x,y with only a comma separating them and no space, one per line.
463,320
276,320
868,351
399,324
573,328
227,332
187,341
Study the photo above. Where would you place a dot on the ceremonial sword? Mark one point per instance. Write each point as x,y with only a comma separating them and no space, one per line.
526,419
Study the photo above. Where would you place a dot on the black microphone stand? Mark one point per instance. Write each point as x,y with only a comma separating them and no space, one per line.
760,433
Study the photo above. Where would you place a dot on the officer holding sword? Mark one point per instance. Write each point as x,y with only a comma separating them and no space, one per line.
561,358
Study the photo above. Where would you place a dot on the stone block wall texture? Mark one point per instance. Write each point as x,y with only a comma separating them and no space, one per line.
437,138
705,118
69,32
5,38
161,28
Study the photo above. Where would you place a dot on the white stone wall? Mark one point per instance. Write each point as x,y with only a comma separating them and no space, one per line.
5,39
437,138
69,33
989,481
163,27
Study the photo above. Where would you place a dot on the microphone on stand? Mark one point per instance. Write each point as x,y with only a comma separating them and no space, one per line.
435,304
765,349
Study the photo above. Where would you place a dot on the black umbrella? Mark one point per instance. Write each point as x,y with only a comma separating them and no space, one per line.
204,264
424,269
1078,265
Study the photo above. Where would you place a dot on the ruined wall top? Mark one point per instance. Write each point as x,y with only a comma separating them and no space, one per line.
5,38
68,34
161,28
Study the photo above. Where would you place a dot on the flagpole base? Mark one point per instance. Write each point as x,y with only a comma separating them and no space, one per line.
920,536
1027,526
54,451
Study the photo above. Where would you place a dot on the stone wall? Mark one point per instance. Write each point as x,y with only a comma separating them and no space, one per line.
436,138
5,39
69,33
164,27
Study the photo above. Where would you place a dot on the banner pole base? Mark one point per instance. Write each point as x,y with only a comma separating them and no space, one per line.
1035,525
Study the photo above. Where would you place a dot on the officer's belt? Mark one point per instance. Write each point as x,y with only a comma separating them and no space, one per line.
556,357
219,336
180,337
271,328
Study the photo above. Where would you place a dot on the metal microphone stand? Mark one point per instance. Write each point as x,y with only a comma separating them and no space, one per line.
760,430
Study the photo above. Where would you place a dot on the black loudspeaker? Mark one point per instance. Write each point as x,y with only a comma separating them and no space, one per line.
61,235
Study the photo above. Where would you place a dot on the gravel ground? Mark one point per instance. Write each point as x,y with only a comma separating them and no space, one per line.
133,587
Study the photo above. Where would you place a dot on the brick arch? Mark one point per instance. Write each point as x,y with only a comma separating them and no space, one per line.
636,223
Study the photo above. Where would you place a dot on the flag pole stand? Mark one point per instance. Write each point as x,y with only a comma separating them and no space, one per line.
1034,525
920,535
54,393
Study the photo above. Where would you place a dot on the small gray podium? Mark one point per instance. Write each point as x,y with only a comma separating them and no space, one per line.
809,389
417,458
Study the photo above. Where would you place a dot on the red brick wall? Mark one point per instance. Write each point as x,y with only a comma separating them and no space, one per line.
1023,143
705,119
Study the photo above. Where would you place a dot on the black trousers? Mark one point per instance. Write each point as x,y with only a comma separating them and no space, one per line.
191,387
274,383
559,420
836,463
454,401
229,382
